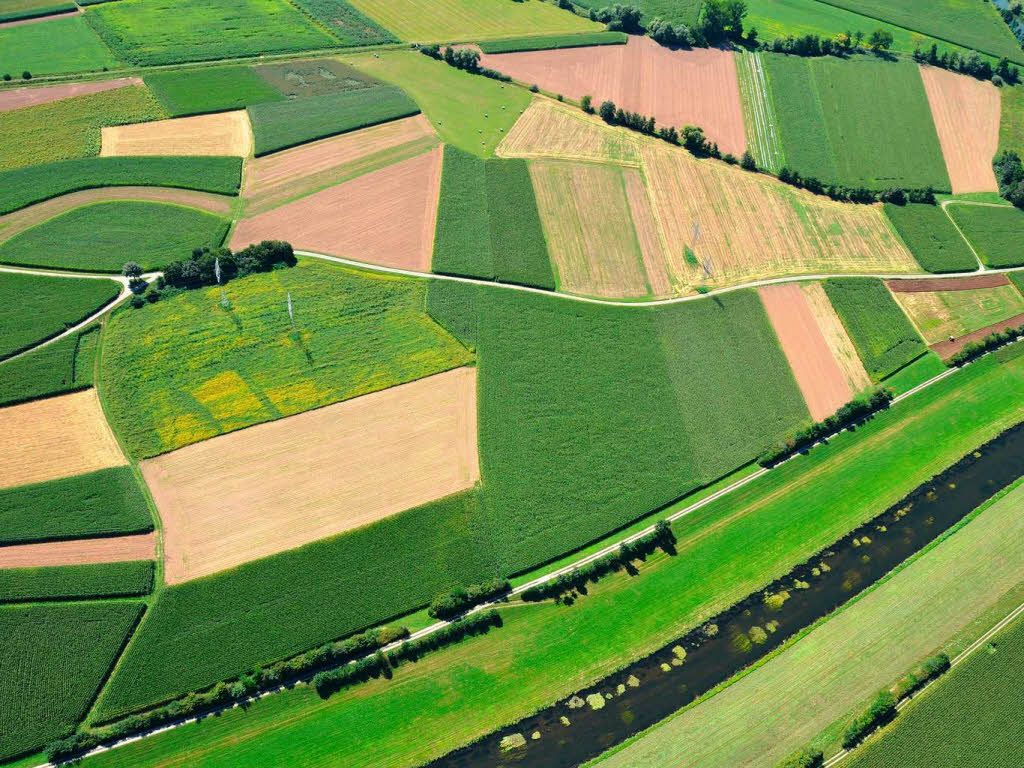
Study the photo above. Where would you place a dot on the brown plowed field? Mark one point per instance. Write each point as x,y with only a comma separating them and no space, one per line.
822,382
930,284
946,349
30,97
385,217
276,178
966,112
695,87
53,438
277,486
225,133
19,221
836,337
112,549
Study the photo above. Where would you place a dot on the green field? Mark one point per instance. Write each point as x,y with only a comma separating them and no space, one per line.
675,11
63,366
346,23
25,186
994,231
103,503
214,628
72,125
1011,119
545,652
921,370
884,338
549,42
970,718
147,32
931,237
34,308
215,89
101,237
73,582
185,369
871,137
52,47
52,662
474,113
487,222
446,21
279,125
302,78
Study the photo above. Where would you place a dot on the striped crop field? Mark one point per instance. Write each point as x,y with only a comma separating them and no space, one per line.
759,112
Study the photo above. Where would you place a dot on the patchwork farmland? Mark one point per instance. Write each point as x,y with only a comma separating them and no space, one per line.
577,377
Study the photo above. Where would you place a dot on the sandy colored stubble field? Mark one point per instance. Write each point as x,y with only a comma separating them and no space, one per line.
836,337
56,437
224,133
694,87
109,549
548,130
271,487
386,217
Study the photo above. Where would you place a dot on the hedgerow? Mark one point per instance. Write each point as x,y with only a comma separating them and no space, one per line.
458,600
992,341
70,582
65,365
881,711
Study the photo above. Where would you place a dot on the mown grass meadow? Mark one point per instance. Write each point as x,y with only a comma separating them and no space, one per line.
63,366
53,47
931,237
996,232
75,582
211,89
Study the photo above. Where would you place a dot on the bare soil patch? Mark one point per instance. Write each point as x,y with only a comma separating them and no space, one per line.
966,112
109,549
17,98
53,438
695,87
946,349
224,133
822,382
386,217
836,337
948,284
269,488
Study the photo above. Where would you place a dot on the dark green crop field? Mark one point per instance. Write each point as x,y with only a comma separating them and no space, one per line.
931,237
72,582
884,338
34,308
285,124
216,89
548,42
52,662
101,237
346,23
63,366
25,186
996,232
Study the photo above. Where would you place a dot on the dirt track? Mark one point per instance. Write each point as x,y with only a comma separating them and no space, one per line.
16,98
225,133
917,285
946,349
112,549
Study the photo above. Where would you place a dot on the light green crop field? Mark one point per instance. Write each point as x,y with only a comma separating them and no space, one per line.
996,232
101,237
544,652
148,32
460,20
1011,121
33,308
474,113
186,369
63,366
931,237
52,47
971,717
215,89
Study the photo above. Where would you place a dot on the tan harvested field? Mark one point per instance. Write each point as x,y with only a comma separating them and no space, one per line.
269,488
386,217
946,349
912,285
56,437
109,549
821,381
225,133
275,179
648,233
937,315
836,337
694,87
19,221
17,98
589,228
547,129
966,112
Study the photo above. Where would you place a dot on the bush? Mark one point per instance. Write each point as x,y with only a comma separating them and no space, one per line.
201,267
805,758
881,711
456,601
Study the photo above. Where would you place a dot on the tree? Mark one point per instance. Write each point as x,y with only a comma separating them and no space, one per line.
880,40
586,103
858,38
723,20
607,111
748,162
842,41
131,269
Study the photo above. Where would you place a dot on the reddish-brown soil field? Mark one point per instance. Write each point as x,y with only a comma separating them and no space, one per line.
966,113
696,87
385,217
946,349
822,382
110,549
918,285
30,97
277,486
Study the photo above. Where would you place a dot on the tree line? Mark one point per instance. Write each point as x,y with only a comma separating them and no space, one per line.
1010,176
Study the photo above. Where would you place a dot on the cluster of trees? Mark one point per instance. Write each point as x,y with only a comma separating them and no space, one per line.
26,75
972,64
261,678
841,192
855,410
465,59
879,42
720,21
691,137
459,600
805,758
881,711
200,268
577,579
913,681
992,341
1010,174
